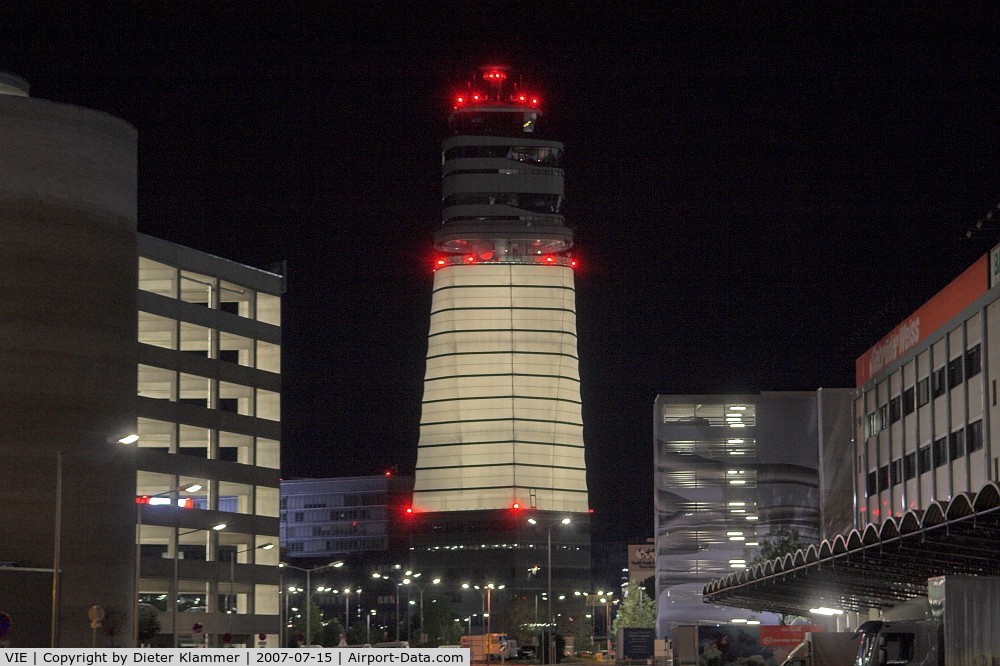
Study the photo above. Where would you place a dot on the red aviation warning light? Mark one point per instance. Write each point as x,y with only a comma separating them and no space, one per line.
494,75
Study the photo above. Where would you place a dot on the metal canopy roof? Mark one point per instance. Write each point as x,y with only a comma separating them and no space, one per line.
877,567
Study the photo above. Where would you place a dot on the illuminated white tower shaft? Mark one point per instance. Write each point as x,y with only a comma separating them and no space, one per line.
501,421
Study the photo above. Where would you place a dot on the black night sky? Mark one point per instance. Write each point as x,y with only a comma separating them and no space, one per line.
757,196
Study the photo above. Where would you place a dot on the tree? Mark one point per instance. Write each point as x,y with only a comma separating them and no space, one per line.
330,632
778,543
437,620
315,619
149,623
637,610
517,619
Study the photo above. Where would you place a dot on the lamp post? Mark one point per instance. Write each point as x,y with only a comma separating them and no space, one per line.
232,579
176,588
482,597
409,581
606,600
347,606
368,635
309,591
489,587
139,503
607,623
550,620
485,593
396,594
57,535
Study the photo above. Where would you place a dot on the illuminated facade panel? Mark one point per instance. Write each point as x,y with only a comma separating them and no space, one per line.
501,431
501,421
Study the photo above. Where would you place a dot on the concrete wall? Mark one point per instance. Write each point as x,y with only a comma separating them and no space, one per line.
68,358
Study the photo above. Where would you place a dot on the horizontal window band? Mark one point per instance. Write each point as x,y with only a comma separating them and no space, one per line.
574,469
457,331
502,308
501,397
505,351
506,286
453,490
500,374
502,441
503,420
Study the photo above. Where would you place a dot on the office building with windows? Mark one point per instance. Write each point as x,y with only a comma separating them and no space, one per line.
926,404
361,517
729,471
501,433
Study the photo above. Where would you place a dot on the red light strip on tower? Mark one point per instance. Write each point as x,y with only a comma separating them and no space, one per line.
540,260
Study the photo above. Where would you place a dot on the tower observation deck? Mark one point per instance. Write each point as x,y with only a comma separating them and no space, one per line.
501,418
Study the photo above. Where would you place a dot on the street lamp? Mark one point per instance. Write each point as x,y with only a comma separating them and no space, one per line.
409,581
489,587
309,591
484,594
548,572
283,629
347,606
368,618
176,589
232,579
139,502
57,536
396,583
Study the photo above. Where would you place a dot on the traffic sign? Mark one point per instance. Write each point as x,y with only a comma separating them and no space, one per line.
196,628
95,613
5,625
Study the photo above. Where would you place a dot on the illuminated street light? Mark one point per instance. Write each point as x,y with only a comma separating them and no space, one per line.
232,580
57,536
397,583
550,620
409,581
176,588
309,591
184,488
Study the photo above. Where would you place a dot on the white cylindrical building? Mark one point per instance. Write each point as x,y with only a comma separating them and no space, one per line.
68,359
501,422
501,432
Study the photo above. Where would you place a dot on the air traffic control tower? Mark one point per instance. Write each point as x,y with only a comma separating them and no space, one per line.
501,433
